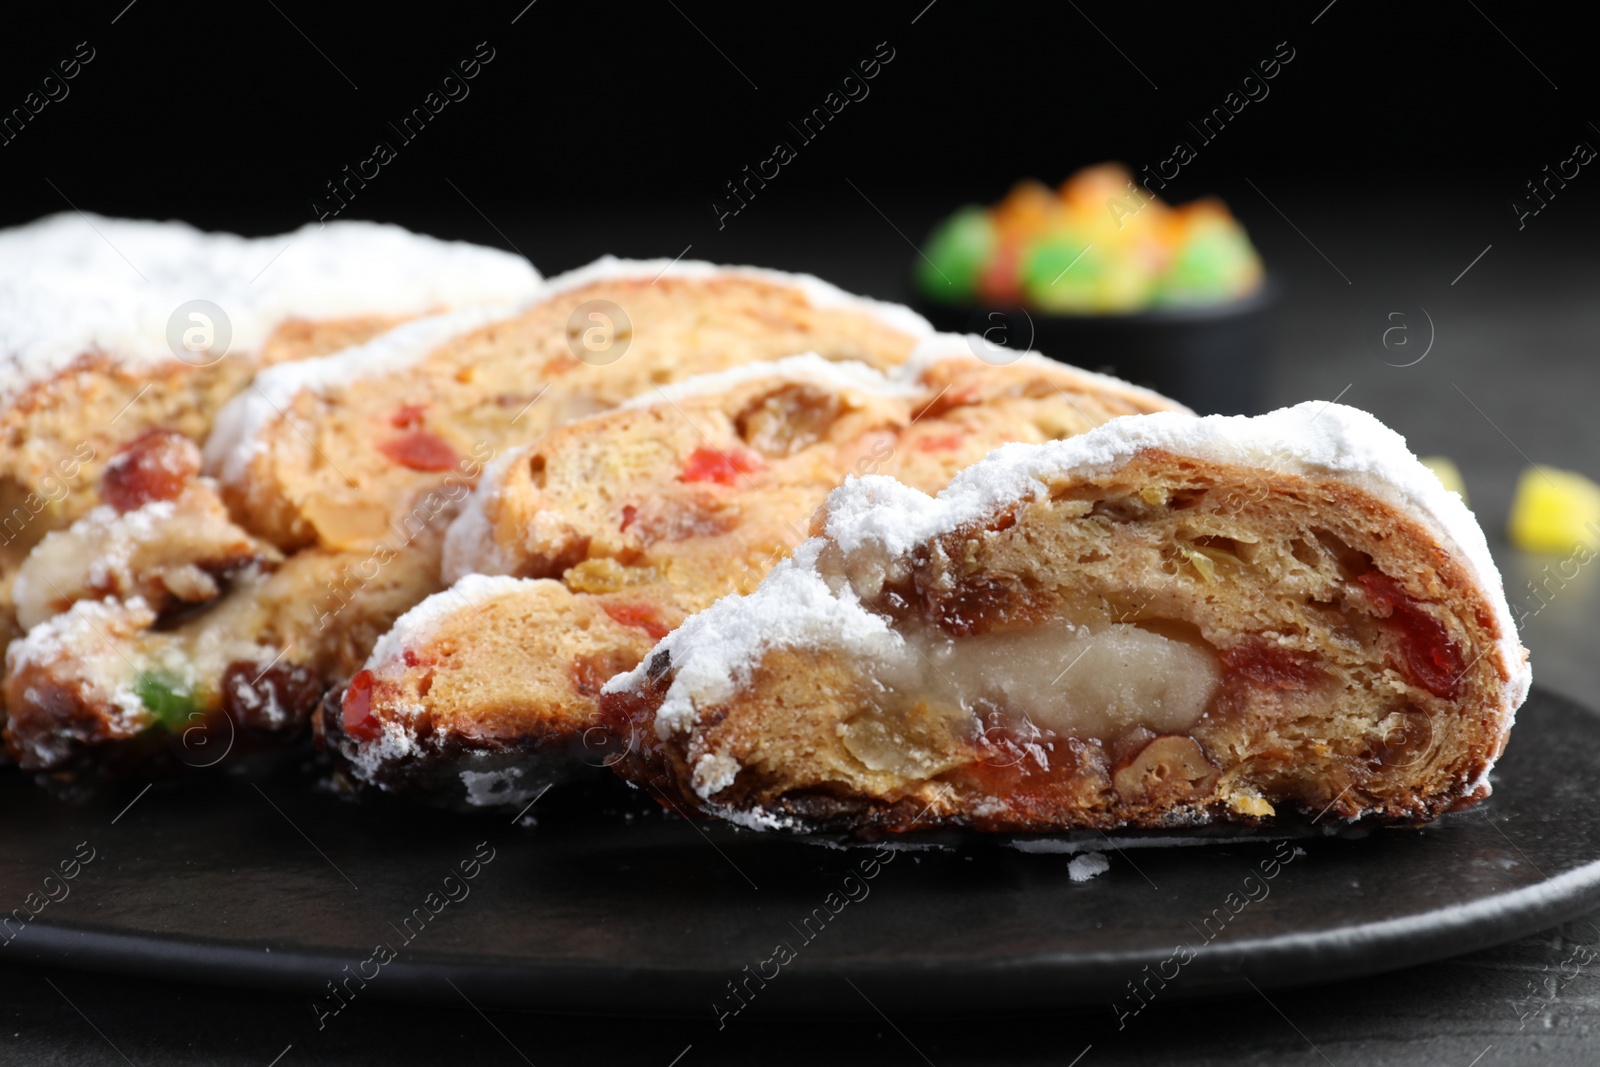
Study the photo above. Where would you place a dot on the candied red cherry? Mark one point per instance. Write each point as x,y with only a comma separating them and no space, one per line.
639,616
157,465
1432,658
420,450
359,722
723,468
408,417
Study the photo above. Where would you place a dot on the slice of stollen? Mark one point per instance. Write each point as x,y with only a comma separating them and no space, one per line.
112,328
1165,622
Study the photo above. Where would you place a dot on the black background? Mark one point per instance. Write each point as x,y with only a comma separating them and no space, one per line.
592,117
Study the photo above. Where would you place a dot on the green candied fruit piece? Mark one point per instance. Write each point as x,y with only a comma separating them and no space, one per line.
168,698
1069,275
1060,273
957,252
1215,264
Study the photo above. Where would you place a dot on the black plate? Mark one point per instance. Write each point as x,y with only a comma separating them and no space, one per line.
598,902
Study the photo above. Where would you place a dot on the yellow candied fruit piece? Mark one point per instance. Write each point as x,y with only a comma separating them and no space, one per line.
1554,511
605,576
1154,495
1449,475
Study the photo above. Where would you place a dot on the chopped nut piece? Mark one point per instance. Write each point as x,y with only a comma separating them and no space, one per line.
1170,768
918,743
1252,805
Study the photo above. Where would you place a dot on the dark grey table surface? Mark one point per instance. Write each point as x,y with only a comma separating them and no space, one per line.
1510,378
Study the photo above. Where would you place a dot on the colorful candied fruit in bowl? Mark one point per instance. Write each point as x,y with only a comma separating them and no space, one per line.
1098,245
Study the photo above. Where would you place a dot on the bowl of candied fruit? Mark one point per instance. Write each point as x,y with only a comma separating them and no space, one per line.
1103,274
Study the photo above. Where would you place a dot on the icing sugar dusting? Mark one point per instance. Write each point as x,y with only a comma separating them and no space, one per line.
714,651
469,544
397,739
72,283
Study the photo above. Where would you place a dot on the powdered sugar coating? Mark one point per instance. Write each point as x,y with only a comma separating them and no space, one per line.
1314,437
236,435
714,652
117,535
74,283
818,293
77,629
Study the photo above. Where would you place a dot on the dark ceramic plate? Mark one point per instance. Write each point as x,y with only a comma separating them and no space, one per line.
1212,358
601,904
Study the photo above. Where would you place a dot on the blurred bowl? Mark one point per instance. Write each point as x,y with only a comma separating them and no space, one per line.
1212,357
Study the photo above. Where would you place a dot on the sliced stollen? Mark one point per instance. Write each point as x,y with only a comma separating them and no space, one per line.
609,531
161,630
320,455
1167,621
110,328
392,435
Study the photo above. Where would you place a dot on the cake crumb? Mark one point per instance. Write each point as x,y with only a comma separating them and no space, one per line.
1086,866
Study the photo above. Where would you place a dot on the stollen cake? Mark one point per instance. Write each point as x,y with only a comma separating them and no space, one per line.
1167,621
577,553
343,473
160,630
110,328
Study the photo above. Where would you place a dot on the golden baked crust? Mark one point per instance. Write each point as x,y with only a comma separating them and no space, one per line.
637,518
1258,642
